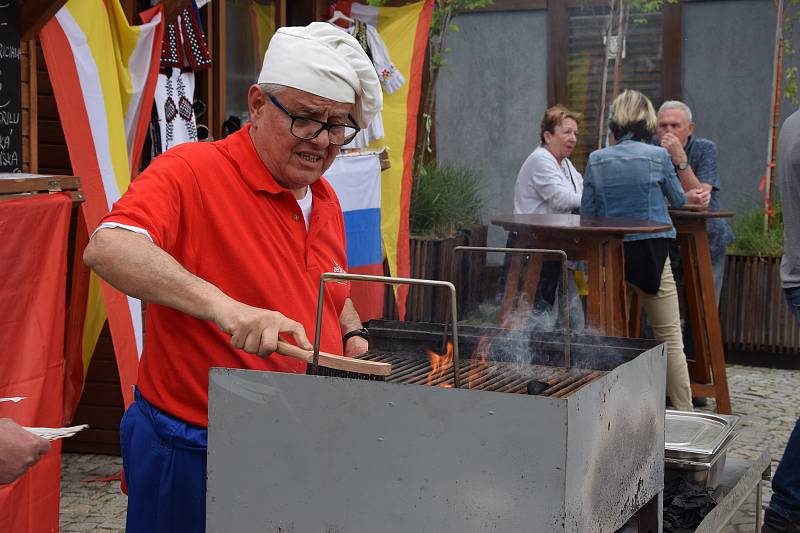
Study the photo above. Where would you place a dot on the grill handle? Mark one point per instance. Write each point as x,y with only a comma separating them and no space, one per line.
337,276
528,251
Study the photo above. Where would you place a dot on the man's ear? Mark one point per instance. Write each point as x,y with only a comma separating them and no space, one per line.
691,128
547,136
255,101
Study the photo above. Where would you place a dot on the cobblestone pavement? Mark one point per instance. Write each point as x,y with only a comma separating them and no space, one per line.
96,506
767,400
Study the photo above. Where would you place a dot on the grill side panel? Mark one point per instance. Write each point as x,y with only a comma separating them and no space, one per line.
615,447
311,453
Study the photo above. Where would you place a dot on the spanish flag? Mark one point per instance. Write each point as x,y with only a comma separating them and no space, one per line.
404,31
103,72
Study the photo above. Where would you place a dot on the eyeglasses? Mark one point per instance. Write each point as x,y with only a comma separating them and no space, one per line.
307,128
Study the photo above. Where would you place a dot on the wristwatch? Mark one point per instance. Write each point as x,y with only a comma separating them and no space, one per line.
362,332
683,165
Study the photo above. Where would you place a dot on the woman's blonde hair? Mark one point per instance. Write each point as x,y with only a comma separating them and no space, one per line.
632,112
554,116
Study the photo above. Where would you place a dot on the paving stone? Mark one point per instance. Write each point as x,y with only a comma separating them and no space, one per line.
766,399
97,506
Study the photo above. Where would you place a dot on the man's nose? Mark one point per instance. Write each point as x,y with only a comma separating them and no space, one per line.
323,139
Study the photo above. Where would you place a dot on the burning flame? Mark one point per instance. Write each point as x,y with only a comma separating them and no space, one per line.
440,363
480,361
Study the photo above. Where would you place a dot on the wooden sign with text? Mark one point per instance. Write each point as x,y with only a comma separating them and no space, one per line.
10,88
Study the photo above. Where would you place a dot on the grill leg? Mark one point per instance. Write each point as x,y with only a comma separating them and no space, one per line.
650,515
758,506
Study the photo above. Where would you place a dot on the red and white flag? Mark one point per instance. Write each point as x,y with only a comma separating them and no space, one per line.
103,72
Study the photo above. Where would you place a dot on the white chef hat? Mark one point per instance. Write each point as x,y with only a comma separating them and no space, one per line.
323,59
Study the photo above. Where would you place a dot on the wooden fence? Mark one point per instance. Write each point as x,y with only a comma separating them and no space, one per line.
432,258
753,311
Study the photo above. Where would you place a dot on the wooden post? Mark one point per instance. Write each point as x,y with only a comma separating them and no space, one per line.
33,110
772,145
281,13
672,55
557,54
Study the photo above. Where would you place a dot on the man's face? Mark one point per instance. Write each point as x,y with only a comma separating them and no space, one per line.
676,122
293,162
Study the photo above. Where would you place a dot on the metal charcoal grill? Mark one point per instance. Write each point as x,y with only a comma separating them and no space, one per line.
307,453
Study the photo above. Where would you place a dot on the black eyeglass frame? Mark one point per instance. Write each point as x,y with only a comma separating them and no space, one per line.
322,125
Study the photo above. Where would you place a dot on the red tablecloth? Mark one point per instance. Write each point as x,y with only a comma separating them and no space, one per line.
33,273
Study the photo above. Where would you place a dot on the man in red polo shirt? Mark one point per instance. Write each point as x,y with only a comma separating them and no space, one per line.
226,241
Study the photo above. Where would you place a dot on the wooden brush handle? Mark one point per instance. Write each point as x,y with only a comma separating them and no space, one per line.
329,360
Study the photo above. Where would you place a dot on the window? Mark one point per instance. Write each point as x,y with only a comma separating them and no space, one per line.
641,68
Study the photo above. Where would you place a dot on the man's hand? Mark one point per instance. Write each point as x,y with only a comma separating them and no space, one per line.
19,450
356,346
674,147
698,198
256,330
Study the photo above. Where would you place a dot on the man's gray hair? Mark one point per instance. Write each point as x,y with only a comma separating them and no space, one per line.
676,104
272,89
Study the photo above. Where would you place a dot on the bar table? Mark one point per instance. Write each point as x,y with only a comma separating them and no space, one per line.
596,240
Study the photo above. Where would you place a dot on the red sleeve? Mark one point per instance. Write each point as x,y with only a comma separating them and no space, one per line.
157,198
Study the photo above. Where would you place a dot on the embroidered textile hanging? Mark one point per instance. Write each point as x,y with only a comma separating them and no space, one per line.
391,78
184,51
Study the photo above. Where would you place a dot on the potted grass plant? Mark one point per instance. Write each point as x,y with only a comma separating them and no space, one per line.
753,314
445,198
445,212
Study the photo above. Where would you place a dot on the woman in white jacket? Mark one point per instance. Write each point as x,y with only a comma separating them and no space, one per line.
548,183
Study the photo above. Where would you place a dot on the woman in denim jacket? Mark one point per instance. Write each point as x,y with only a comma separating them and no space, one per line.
630,180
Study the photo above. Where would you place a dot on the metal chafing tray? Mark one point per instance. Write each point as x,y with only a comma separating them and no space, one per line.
706,473
696,436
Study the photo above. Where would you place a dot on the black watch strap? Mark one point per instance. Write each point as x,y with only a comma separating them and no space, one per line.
362,332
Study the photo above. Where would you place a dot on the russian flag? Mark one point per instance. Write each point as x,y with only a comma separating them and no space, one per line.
357,182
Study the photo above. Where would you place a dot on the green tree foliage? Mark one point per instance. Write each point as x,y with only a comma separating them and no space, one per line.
790,17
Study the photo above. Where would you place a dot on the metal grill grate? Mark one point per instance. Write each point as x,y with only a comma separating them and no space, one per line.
488,376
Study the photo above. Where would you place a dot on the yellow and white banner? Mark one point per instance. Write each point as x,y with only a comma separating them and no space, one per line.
103,72
404,31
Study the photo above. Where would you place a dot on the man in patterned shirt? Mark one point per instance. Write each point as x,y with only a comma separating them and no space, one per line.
697,157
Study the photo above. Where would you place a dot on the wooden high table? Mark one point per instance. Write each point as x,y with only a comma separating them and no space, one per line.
708,368
596,240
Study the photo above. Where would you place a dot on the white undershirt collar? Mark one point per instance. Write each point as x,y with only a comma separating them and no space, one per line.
305,205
